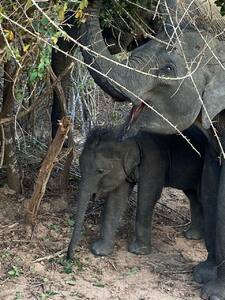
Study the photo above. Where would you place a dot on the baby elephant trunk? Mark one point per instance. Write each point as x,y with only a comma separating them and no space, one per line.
84,198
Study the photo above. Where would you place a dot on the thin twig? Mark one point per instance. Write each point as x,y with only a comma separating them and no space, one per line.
9,47
9,227
51,256
86,48
114,81
2,146
173,210
192,79
40,99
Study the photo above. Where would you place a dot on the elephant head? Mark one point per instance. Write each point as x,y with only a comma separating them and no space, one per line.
105,163
174,74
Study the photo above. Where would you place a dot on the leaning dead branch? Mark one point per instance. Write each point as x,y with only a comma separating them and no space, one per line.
45,171
76,42
64,95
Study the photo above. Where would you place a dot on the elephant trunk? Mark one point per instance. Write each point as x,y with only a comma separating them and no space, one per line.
84,198
103,61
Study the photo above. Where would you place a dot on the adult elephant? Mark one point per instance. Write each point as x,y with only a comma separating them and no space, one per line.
123,34
181,77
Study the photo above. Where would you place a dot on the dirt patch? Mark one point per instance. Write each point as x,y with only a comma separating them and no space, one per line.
165,274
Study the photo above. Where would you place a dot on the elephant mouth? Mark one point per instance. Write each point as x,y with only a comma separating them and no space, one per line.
134,114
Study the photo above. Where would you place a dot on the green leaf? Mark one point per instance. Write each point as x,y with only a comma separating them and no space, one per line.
62,11
83,4
33,75
71,222
48,294
14,272
132,271
28,5
99,284
44,21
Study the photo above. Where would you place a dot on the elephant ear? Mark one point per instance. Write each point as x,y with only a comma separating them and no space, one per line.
132,156
213,98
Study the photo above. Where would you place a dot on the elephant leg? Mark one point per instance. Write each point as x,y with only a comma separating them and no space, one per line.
206,271
114,208
196,228
149,191
215,289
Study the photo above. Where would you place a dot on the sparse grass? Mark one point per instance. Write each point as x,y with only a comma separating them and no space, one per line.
86,276
131,271
99,284
66,264
70,222
55,227
4,255
14,272
18,295
48,295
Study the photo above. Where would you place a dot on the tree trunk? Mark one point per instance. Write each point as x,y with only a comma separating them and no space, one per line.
62,67
10,159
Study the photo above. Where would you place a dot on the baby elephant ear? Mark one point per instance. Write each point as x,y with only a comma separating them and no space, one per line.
213,98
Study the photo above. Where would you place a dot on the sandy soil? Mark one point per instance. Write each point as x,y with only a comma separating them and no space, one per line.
165,274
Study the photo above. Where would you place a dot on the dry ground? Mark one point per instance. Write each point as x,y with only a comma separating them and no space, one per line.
166,274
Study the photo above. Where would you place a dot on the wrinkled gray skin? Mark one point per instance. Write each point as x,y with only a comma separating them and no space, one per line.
180,103
112,167
123,35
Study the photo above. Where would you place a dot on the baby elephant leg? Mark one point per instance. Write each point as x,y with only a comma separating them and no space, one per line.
112,215
196,228
151,181
148,194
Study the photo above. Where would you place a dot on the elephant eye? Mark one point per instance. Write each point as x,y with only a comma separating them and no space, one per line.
167,70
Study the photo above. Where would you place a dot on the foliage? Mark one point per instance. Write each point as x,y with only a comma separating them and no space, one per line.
23,39
14,272
113,9
48,294
29,29
24,33
221,4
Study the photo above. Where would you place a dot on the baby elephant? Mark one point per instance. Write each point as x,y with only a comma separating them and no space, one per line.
112,167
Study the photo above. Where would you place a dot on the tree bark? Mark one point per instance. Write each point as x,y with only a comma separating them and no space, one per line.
10,159
45,170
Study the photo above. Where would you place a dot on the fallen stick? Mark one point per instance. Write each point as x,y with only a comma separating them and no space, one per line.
57,254
8,227
45,171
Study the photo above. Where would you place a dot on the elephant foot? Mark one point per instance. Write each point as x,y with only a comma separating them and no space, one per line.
214,290
102,247
194,233
139,248
205,271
